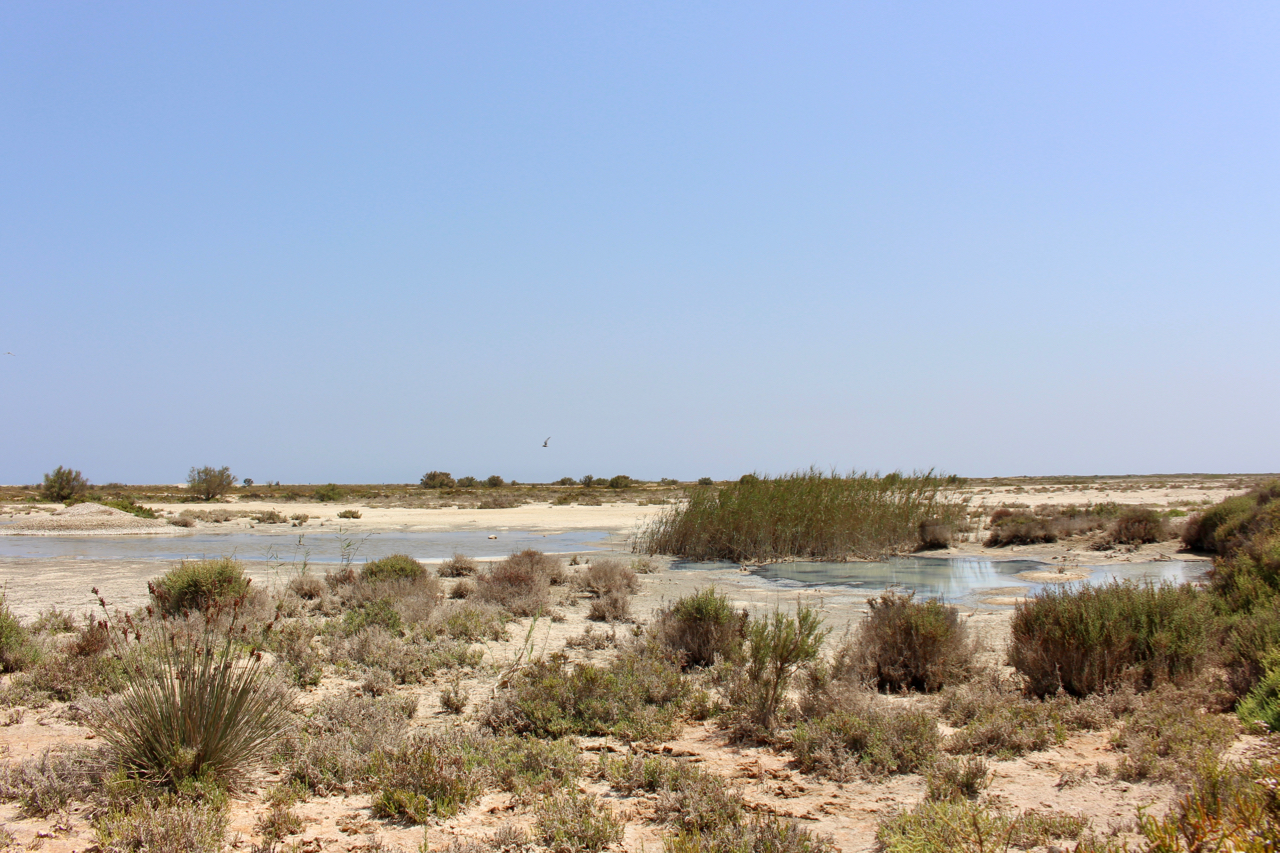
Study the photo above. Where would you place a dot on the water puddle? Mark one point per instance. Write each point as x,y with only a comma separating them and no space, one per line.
958,580
314,547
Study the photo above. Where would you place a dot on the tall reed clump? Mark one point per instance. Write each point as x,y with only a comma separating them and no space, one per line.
804,514
1090,638
197,705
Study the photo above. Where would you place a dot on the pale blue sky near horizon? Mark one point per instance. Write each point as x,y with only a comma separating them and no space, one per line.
356,242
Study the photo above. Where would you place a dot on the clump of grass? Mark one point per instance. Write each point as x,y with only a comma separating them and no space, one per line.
18,650
429,775
269,516
702,628
957,779
199,584
806,514
762,834
905,644
571,822
1092,638
866,736
203,709
457,566
691,798
172,823
334,748
1169,734
394,567
611,584
637,696
521,583
1229,807
349,513
964,825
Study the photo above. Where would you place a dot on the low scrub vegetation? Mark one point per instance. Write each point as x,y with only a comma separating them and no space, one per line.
209,483
1010,526
702,629
866,735
521,583
905,644
807,514
394,567
1093,638
199,584
63,484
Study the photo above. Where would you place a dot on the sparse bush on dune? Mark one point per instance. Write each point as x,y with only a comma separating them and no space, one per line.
701,628
63,484
805,514
1088,639
209,483
438,480
904,644
521,583
457,566
394,567
1138,526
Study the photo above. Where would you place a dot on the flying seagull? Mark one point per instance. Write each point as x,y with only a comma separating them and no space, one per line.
15,355
544,444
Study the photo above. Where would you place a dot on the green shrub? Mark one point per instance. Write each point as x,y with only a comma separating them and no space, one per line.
202,709
706,481
1262,705
429,775
63,484
493,481
1229,807
957,779
621,481
328,492
1169,735
270,516
467,482
1089,639
1138,526
806,514
199,584
349,513
525,764
869,738
438,480
566,481
702,628
688,796
127,505
394,567
588,481
521,583
17,649
637,696
381,613
570,822
963,825
777,645
208,483
762,834
906,644
171,823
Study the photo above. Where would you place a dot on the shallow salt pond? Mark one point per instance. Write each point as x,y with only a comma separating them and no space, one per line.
959,580
314,545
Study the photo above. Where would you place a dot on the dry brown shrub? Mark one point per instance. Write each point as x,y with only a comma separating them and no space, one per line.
457,566
521,583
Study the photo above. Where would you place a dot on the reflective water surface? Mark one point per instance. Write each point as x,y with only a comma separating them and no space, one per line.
316,545
953,579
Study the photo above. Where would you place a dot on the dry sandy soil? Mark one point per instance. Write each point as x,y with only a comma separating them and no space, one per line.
848,812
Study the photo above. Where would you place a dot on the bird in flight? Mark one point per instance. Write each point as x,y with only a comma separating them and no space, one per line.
15,355
545,443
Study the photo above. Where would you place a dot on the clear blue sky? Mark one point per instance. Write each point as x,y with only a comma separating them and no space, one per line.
355,242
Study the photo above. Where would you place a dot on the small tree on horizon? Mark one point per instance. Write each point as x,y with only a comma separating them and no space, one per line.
438,480
208,483
63,484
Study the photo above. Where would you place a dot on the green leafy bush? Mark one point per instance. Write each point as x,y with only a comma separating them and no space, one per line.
866,738
63,484
621,481
208,483
706,481
637,696
394,567
199,584
428,776
777,645
1262,705
127,505
493,481
438,480
905,644
1138,526
17,649
702,628
1089,639
572,822
328,493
